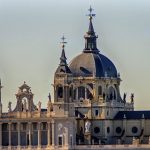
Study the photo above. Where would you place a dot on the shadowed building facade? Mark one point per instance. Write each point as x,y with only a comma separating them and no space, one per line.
87,111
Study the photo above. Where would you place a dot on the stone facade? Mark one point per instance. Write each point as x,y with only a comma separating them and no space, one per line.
87,111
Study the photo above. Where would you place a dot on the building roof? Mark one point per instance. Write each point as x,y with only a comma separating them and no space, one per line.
92,64
79,114
132,115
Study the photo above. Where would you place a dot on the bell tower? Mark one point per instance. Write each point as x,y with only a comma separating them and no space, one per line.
24,99
62,80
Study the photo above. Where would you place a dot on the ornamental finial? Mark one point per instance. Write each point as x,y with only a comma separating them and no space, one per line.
63,41
49,97
91,15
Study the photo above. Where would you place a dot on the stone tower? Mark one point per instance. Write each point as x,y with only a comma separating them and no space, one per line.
62,80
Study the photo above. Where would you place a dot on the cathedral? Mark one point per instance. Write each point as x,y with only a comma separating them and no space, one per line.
86,112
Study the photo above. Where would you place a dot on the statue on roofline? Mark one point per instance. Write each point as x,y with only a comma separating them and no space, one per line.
124,97
39,106
9,106
132,97
87,126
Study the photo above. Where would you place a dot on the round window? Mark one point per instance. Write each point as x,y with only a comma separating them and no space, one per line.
96,129
134,130
118,130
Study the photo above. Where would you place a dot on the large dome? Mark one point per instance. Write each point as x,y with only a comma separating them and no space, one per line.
89,64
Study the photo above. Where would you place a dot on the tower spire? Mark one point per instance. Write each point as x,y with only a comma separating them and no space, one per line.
63,66
91,15
63,58
90,37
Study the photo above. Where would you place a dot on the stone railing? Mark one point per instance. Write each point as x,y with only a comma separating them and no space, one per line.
112,147
82,147
24,148
36,148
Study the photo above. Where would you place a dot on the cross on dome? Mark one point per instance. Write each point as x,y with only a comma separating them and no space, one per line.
63,41
91,15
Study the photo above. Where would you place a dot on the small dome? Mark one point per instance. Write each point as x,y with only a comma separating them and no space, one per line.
89,64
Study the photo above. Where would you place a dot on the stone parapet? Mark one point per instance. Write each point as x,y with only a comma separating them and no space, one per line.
81,147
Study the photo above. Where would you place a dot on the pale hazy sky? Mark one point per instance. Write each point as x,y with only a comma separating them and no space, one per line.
30,32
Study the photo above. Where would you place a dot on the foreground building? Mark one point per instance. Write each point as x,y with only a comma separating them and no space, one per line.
88,111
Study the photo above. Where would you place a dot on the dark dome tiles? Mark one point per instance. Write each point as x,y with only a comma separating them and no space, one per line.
98,66
87,64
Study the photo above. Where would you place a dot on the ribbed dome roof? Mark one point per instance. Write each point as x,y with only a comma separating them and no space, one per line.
89,64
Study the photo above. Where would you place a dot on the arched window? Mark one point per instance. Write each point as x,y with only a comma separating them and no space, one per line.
60,92
74,94
4,127
108,129
100,90
60,140
70,92
112,93
34,126
96,129
81,92
89,95
14,126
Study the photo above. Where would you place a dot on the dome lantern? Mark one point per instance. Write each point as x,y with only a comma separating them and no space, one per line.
90,37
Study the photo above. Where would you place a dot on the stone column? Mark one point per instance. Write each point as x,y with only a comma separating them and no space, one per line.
55,93
0,135
29,133
85,93
142,129
123,138
48,134
18,134
66,137
63,93
39,134
77,93
9,130
53,132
